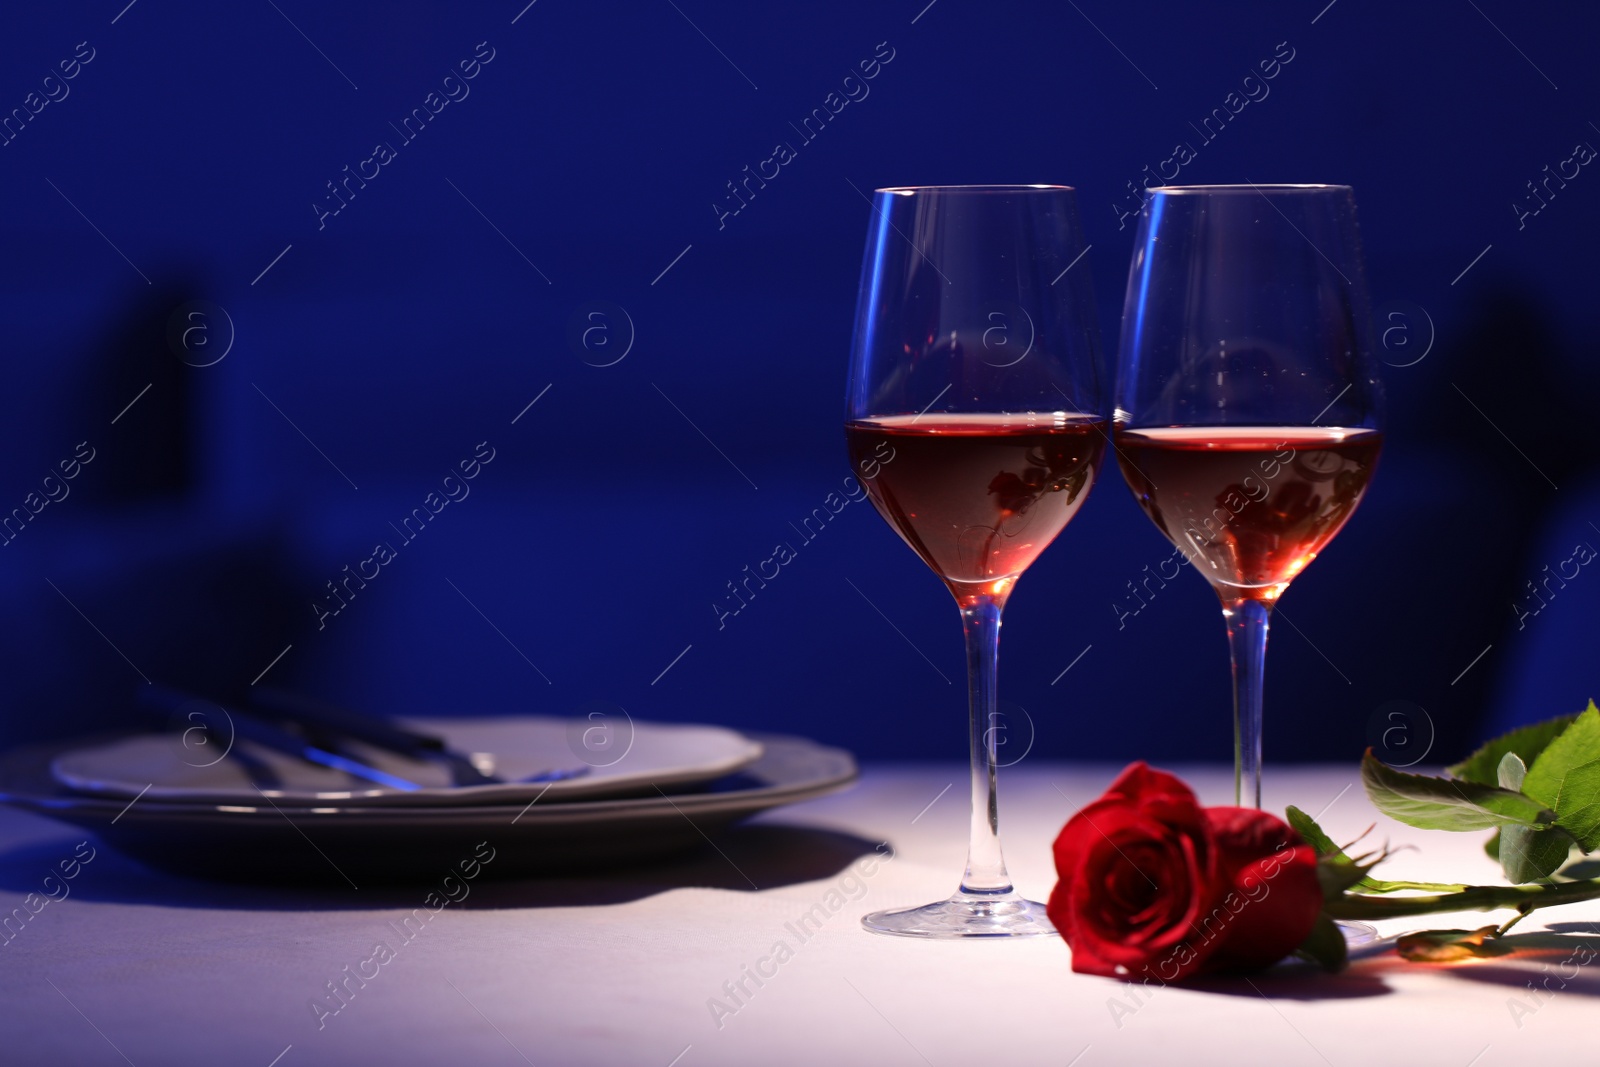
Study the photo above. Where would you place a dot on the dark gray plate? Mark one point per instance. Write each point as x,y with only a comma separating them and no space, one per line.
332,844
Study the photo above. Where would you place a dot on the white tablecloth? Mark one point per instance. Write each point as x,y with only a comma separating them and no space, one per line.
647,969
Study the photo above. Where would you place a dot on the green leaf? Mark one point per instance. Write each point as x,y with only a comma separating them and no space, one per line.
1492,846
1325,946
1314,835
1442,804
1526,741
1578,805
1511,772
1566,778
1447,946
1531,854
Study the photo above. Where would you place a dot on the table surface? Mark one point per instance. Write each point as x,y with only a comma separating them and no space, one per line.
645,968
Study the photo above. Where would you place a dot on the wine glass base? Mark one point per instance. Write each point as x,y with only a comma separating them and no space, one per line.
965,915
1356,934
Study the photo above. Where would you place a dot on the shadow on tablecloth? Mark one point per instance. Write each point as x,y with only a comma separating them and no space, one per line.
1536,966
1560,959
743,859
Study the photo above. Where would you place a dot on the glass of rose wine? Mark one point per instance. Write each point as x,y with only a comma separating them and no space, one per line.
1247,420
975,423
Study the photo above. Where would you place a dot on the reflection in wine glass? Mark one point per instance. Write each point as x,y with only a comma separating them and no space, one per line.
1248,403
973,370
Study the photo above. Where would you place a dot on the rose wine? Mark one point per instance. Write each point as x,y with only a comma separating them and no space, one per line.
1249,506
978,496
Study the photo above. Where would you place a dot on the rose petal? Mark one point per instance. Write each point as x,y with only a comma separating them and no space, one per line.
1085,960
1270,895
1138,868
1279,899
1142,782
1181,888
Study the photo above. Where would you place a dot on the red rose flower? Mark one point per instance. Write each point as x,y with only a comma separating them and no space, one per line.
1154,885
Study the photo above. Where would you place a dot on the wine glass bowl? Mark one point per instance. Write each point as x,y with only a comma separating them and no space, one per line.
1034,472
1248,409
1250,506
974,421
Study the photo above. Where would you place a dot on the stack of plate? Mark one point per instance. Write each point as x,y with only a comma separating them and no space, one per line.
259,815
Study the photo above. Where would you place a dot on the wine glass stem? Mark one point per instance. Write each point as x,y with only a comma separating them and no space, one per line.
986,866
1247,621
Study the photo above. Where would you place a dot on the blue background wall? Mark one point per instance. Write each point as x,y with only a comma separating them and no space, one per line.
374,348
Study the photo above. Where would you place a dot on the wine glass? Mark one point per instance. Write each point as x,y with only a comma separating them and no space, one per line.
1248,401
975,423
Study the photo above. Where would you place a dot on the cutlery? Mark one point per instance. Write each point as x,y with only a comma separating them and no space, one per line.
159,698
321,718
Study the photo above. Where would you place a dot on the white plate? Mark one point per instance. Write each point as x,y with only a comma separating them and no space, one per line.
389,843
627,758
